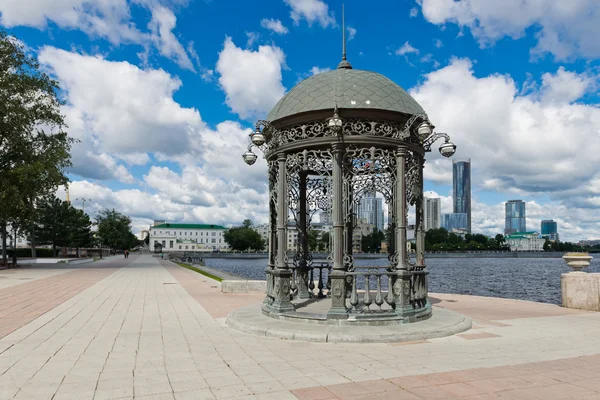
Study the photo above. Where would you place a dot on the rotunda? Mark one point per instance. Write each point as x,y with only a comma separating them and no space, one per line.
331,140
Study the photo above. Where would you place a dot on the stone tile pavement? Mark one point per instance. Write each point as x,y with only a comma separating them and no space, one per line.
150,330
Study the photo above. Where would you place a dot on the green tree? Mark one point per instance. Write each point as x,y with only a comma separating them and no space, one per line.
313,240
34,148
59,224
244,237
80,228
324,241
372,242
114,230
52,223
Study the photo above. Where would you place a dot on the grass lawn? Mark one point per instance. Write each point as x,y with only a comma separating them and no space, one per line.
209,275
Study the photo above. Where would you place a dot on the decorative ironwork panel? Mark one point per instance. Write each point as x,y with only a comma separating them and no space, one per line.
350,127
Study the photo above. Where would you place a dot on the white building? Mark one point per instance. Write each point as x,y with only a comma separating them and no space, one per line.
142,234
525,241
432,208
187,237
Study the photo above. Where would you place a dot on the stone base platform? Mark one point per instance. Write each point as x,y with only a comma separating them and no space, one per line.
442,323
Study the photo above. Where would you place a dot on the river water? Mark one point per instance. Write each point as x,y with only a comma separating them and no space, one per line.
533,279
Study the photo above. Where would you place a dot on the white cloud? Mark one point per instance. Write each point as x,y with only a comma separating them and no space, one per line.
274,25
107,19
312,11
250,79
437,43
414,12
318,70
162,24
351,32
540,143
565,86
406,48
252,38
117,110
566,29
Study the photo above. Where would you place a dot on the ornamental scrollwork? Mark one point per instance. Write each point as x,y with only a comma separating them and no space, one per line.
350,127
414,186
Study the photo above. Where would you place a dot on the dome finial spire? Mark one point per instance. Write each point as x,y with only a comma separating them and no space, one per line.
344,64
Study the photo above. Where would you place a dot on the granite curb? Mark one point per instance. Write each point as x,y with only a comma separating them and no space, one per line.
443,323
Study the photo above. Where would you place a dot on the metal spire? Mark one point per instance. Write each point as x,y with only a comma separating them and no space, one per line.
344,64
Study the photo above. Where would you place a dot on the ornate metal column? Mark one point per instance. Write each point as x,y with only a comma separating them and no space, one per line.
272,237
282,274
400,205
302,273
401,284
419,228
338,275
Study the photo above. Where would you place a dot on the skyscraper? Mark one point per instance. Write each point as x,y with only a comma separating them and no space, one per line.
549,229
432,209
454,222
515,217
370,208
461,189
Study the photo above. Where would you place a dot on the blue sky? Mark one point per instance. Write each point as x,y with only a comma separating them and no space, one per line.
162,93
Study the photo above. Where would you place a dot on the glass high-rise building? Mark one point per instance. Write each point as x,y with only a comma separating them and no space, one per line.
549,229
432,210
454,222
515,219
370,208
461,189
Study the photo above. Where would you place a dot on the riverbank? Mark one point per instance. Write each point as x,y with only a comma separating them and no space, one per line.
367,256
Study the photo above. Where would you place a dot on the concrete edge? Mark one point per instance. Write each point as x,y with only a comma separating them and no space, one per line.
261,325
243,286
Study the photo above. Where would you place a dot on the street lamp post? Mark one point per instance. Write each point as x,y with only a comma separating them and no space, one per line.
83,200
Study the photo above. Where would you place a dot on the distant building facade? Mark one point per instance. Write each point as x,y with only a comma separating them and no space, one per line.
363,228
169,237
455,222
549,230
461,189
514,217
525,241
292,233
432,212
370,208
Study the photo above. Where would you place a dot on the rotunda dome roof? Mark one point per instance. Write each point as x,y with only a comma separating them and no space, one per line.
348,88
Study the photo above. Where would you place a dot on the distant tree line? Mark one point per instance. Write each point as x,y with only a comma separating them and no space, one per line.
442,240
244,237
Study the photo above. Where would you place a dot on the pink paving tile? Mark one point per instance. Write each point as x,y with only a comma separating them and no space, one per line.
407,382
493,309
481,335
21,304
203,290
432,393
499,384
380,385
461,389
347,389
592,384
398,394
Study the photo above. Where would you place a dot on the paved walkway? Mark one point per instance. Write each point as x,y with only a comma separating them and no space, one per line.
147,329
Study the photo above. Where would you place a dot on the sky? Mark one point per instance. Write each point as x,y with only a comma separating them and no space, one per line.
162,95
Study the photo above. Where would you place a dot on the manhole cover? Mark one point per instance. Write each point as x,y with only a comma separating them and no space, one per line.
169,283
